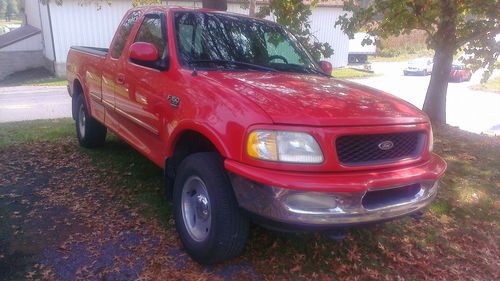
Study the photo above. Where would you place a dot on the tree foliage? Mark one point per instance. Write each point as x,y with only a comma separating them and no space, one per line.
450,25
294,15
136,3
9,8
3,6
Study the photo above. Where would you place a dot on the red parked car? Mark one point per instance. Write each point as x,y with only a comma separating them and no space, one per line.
247,126
460,73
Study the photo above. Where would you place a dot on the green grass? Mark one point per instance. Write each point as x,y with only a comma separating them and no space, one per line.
3,21
402,55
47,82
463,219
399,55
140,179
33,77
33,131
492,85
350,73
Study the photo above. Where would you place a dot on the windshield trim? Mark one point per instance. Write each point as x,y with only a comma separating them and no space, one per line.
297,45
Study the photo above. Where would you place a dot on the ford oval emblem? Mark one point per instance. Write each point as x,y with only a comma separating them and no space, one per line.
386,145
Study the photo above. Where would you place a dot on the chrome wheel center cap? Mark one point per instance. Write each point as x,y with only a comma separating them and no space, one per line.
202,210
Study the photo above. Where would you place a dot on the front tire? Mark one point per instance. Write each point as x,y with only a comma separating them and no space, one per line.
89,131
210,224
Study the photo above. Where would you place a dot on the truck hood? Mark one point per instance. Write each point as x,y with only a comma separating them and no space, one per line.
311,100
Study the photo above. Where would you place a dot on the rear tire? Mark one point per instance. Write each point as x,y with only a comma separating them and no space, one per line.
210,224
89,131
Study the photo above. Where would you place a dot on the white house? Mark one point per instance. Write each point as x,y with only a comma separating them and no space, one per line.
72,23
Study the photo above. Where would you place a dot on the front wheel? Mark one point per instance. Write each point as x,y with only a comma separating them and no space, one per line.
89,131
210,224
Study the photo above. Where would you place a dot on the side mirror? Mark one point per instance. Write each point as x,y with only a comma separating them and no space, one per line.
326,67
143,52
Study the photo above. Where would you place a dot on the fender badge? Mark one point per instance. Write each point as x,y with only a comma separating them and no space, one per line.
174,101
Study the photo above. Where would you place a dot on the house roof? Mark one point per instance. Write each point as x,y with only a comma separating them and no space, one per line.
17,35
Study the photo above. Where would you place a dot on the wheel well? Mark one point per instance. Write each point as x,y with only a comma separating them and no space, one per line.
77,91
188,143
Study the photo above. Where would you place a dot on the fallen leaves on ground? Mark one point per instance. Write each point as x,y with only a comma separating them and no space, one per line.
73,219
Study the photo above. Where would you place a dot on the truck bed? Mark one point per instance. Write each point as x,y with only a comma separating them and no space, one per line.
91,50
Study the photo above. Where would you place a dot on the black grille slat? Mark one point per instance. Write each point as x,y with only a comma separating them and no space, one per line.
381,198
364,149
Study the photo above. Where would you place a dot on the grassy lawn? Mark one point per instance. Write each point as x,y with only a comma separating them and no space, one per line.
35,131
3,21
33,77
399,56
346,73
456,239
493,85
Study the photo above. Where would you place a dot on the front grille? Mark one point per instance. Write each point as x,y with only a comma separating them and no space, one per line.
359,150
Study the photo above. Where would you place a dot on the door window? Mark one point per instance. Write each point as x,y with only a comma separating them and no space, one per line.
123,34
151,32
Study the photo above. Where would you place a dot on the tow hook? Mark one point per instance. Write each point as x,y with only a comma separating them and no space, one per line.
337,235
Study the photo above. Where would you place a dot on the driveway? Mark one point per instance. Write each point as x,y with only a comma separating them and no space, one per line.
470,110
34,102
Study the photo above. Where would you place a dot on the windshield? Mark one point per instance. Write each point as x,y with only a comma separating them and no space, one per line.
214,40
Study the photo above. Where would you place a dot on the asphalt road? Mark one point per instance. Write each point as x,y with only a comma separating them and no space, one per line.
34,102
474,111
470,110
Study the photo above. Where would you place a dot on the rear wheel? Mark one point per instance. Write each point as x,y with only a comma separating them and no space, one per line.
89,131
210,224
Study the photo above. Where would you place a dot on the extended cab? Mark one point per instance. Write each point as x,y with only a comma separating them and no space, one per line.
247,126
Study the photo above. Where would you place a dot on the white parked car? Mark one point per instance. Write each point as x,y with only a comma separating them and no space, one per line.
420,66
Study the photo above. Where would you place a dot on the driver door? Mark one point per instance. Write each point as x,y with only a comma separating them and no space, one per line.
147,85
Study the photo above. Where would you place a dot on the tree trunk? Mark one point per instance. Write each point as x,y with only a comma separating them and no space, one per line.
435,99
445,44
220,5
252,8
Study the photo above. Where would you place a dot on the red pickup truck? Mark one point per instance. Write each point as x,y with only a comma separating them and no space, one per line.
248,127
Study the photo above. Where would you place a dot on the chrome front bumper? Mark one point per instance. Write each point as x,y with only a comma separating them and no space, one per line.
331,209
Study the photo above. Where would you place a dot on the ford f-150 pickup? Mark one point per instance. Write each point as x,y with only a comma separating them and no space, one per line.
249,127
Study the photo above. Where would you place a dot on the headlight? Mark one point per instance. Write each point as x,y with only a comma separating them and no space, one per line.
292,147
431,140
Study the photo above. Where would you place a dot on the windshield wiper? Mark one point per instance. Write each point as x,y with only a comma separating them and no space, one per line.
235,63
317,71
302,69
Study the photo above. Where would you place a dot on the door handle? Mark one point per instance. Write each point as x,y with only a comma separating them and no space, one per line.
120,79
